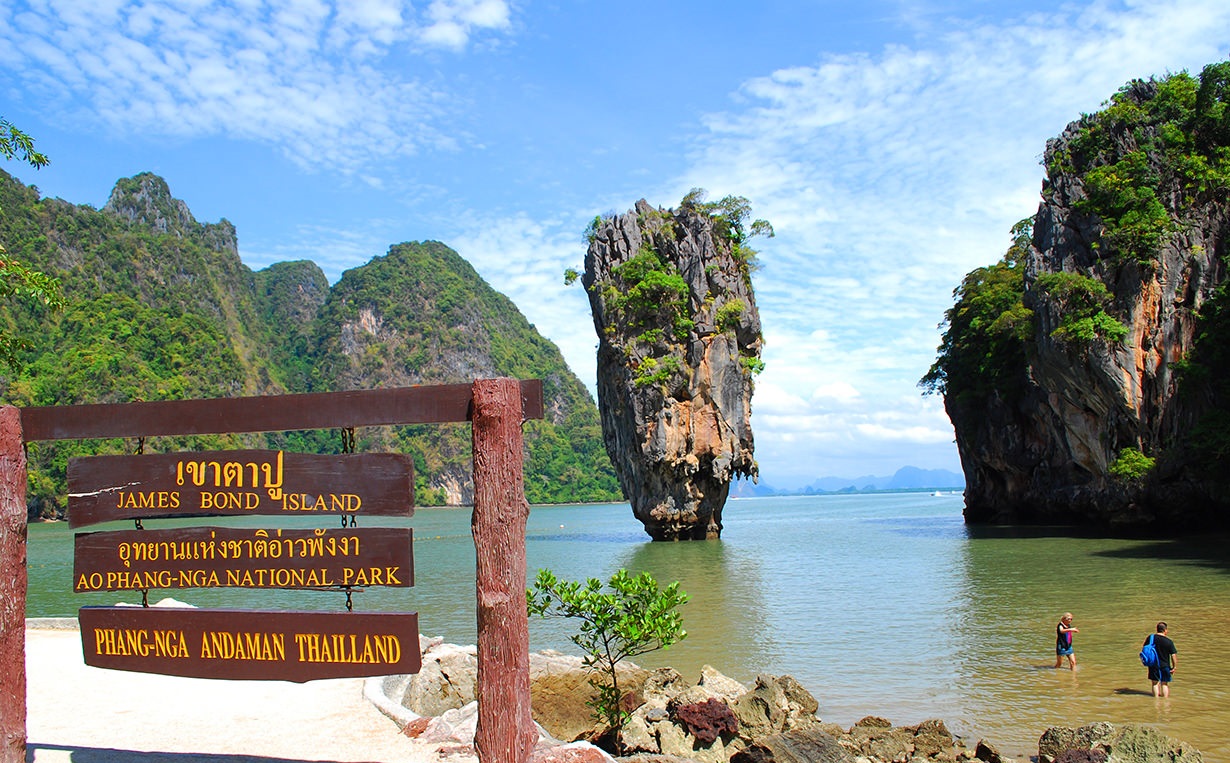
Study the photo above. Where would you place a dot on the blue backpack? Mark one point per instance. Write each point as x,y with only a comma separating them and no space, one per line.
1148,654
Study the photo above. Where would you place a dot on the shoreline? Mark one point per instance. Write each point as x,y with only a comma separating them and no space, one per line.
150,718
80,713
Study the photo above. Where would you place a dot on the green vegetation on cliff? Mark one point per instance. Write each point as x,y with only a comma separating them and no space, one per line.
1168,137
647,297
159,306
983,346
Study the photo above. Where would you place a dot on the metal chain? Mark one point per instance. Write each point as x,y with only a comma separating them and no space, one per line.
140,446
348,446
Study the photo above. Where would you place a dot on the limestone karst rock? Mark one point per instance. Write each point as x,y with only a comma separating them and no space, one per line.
1099,396
679,341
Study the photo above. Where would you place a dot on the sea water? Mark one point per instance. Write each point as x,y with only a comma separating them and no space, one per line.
879,604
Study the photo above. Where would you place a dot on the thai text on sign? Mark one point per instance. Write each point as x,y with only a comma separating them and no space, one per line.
250,644
224,557
238,483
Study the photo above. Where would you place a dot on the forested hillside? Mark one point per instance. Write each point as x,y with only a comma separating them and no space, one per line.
159,307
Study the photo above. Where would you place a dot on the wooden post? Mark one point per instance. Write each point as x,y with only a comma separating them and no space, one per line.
505,732
12,588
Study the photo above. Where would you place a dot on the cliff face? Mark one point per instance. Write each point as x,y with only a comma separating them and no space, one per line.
1120,279
679,341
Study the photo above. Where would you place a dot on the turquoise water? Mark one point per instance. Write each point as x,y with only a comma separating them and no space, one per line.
880,604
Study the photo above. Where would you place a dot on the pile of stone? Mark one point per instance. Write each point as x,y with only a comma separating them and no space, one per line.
671,719
715,720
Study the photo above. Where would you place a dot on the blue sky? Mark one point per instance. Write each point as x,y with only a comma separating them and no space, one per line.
892,144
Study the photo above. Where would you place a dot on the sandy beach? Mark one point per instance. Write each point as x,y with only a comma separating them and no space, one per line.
83,714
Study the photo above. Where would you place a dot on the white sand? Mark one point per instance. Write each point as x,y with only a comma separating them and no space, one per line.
82,714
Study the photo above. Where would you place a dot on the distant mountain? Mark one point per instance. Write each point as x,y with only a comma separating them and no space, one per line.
160,307
905,478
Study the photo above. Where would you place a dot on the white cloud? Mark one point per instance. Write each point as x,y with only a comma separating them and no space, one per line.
305,77
839,391
452,22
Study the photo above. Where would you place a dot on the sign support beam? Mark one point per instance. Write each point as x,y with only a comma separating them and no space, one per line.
505,732
12,588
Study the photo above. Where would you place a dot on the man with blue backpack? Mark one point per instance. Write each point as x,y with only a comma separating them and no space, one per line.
1158,654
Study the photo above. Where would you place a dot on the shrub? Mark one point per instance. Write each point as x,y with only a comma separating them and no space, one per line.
1131,464
729,314
634,617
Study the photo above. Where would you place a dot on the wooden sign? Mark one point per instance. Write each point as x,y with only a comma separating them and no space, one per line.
238,483
250,644
225,557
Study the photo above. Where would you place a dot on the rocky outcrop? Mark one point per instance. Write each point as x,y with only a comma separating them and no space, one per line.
145,200
670,719
1099,742
1126,257
679,340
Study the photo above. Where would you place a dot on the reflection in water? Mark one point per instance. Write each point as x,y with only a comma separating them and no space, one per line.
879,604
724,617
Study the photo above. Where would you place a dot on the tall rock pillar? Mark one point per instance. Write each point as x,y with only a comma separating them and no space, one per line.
679,341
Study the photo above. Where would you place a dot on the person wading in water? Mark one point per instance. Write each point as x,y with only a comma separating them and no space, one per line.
1063,642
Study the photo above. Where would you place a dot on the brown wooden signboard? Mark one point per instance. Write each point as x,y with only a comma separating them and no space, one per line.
250,644
227,557
238,483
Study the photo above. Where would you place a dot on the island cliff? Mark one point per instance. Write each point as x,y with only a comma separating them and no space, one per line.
1084,373
679,341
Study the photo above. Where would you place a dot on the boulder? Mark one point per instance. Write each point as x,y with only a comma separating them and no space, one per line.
931,738
1081,756
987,753
446,681
452,726
662,684
883,742
1121,744
560,691
640,735
775,704
674,739
803,745
719,685
708,720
